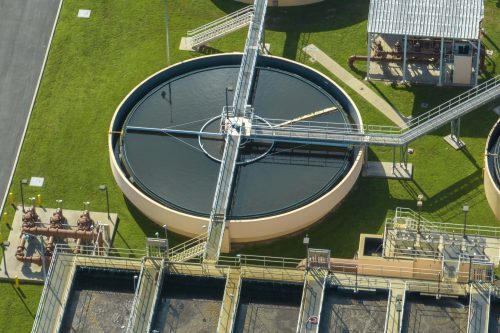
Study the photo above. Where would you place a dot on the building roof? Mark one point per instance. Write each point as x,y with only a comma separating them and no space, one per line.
458,19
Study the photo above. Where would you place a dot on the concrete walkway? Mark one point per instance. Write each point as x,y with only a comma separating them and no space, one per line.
358,86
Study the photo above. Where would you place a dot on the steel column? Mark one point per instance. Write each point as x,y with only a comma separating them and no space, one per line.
405,49
441,55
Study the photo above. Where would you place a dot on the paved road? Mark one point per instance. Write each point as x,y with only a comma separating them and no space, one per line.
25,29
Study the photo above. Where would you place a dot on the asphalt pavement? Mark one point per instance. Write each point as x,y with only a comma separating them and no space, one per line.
25,30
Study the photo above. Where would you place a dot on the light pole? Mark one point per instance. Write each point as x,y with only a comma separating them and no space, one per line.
228,89
21,183
166,237
465,209
157,234
105,189
470,268
86,205
135,282
306,243
59,203
419,206
4,248
166,31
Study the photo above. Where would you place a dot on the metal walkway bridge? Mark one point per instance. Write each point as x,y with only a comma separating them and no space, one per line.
233,119
323,133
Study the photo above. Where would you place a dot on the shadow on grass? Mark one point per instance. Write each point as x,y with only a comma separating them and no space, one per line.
455,192
362,211
19,292
322,16
148,227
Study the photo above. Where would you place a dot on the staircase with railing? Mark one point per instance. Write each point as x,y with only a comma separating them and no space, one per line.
188,250
218,28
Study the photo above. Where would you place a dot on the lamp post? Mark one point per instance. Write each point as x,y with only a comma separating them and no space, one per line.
135,282
470,268
166,237
230,88
465,209
157,234
21,183
306,243
86,205
419,205
166,31
105,189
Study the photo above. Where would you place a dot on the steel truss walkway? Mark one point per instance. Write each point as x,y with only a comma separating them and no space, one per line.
306,132
233,119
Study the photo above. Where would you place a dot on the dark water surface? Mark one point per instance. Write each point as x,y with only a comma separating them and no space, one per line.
177,173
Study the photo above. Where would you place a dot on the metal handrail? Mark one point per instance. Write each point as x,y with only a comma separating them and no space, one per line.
244,10
411,218
187,244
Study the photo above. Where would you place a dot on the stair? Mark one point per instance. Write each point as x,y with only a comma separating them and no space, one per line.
190,253
230,301
217,29
188,250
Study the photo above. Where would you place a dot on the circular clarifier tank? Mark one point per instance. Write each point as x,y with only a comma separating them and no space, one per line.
492,170
278,188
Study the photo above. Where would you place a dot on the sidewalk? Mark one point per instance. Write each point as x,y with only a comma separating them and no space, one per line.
358,86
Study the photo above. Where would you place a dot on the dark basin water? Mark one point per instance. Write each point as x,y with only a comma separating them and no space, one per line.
177,173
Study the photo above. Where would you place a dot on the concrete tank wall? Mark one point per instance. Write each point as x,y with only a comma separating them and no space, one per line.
491,188
240,231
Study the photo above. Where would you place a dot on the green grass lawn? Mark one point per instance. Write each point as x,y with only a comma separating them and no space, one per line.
94,63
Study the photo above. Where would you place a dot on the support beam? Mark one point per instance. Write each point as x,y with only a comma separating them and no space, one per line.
405,51
478,60
454,138
441,56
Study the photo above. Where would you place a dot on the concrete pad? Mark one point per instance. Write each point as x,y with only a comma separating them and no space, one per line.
32,272
84,13
186,44
385,170
452,141
37,181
